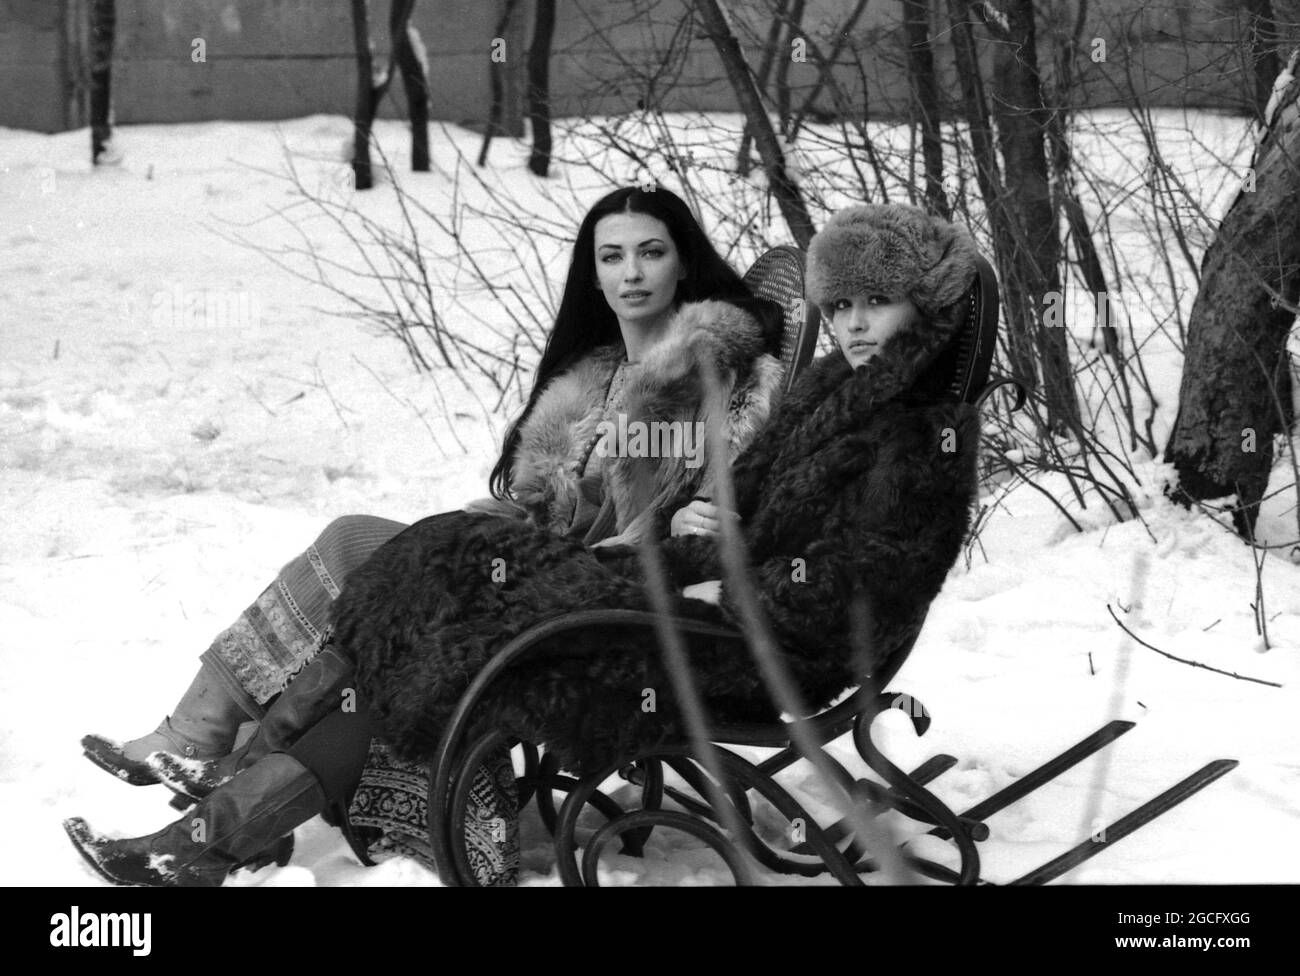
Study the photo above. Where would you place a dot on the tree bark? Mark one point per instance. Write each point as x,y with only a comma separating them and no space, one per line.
1236,386
496,70
103,28
364,113
539,87
794,27
1086,255
925,95
988,177
1022,120
788,196
414,81
371,92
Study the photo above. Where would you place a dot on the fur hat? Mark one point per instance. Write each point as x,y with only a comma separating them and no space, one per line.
893,250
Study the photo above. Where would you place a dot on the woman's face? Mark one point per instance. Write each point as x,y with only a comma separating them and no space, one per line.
637,266
863,323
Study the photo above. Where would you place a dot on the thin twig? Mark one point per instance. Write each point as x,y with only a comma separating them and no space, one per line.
1183,660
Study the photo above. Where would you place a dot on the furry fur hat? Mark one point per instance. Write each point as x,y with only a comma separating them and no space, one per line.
893,250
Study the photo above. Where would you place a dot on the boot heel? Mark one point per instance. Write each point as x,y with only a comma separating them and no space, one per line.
278,854
286,851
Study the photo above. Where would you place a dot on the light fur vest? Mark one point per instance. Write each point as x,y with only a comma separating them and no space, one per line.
632,497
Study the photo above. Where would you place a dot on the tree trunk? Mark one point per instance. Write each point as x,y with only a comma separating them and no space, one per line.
1085,248
788,196
365,103
371,91
988,176
1236,387
1022,119
496,79
414,81
794,28
539,87
925,94
103,28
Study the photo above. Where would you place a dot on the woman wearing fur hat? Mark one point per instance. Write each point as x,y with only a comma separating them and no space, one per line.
646,294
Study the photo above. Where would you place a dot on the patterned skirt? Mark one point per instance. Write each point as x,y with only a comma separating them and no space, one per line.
393,798
258,655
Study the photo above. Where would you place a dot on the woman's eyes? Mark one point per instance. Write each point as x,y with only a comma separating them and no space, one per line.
610,256
844,303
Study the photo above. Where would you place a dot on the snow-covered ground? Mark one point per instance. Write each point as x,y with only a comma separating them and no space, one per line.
158,465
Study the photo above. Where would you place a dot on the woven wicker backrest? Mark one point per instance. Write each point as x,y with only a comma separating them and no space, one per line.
961,370
974,343
778,276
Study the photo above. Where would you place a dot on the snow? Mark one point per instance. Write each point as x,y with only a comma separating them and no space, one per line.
179,418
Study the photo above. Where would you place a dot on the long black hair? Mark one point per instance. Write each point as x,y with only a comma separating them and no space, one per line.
585,320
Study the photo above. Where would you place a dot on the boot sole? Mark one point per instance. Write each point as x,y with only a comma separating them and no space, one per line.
167,771
107,755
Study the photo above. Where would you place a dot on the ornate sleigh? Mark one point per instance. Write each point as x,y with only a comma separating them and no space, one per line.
689,801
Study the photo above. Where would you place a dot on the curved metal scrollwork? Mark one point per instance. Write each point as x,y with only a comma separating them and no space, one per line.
741,776
645,820
922,801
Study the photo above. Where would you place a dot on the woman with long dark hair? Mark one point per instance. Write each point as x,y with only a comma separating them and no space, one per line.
646,296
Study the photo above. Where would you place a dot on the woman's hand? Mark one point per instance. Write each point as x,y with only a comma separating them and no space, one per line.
710,591
697,518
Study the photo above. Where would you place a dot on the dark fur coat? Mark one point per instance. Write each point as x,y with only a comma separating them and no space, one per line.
854,504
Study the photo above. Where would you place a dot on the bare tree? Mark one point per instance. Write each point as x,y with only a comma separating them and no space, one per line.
103,27
539,87
1065,49
371,88
1236,390
497,82
415,81
787,193
1029,237
794,28
925,96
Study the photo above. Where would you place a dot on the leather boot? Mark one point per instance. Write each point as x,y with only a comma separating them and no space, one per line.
233,827
320,688
201,727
